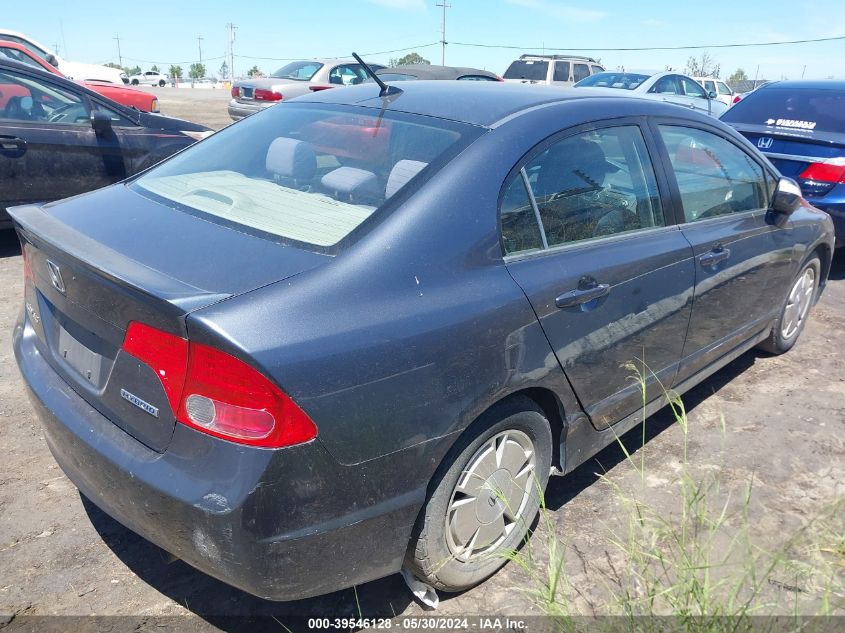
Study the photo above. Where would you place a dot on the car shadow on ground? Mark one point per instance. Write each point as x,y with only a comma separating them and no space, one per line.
9,244
837,266
218,603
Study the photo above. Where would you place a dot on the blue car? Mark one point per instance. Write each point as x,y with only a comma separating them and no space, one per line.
800,127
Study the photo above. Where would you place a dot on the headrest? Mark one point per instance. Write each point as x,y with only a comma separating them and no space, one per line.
401,173
358,185
289,158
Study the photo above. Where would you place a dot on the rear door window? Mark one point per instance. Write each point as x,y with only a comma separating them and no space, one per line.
714,176
580,71
589,185
561,71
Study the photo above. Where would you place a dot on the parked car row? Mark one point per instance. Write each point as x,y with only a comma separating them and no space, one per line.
138,99
59,138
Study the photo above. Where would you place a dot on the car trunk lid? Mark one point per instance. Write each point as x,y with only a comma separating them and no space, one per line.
94,271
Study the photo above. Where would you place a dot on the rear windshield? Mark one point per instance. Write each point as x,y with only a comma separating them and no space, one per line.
795,109
624,81
527,69
302,71
306,173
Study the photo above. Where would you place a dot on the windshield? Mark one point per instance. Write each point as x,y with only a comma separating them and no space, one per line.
302,71
527,69
622,80
308,173
797,109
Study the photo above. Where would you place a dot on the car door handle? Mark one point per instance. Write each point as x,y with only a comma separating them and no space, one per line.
715,256
12,144
587,291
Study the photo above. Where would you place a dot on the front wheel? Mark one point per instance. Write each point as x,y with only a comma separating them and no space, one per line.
796,309
162,83
484,498
135,82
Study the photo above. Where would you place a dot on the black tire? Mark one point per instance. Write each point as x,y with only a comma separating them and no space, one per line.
135,82
429,555
162,83
783,337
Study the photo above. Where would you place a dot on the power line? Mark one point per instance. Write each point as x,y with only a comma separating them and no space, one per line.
291,59
652,48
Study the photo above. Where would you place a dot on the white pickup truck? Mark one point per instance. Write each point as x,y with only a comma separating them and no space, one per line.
72,70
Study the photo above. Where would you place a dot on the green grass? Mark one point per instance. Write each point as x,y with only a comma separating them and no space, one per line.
696,560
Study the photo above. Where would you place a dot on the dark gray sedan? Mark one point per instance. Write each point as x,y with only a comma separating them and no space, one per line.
357,332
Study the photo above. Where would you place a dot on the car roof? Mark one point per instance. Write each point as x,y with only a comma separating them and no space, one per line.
481,103
427,71
805,84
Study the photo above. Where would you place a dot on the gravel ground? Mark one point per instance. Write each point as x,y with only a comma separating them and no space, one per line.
784,419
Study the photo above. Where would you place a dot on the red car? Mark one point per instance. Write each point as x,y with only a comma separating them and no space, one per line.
139,99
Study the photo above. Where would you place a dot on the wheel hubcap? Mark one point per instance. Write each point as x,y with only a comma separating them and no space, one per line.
798,303
490,497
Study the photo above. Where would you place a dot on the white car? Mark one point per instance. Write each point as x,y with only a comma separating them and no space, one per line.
719,88
72,70
551,70
670,87
149,78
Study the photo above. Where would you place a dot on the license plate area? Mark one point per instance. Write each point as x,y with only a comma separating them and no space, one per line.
89,365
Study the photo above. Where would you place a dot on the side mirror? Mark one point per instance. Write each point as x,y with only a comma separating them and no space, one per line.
51,59
787,197
100,121
711,94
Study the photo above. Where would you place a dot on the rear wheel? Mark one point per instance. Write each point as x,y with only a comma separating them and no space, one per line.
796,309
135,82
484,498
162,83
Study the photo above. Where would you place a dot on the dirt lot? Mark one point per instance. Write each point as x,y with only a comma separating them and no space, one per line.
785,429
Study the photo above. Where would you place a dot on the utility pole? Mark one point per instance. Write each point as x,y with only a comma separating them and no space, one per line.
232,29
443,33
802,72
199,44
56,48
119,56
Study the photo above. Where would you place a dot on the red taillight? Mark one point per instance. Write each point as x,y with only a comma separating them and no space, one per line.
218,394
737,99
165,353
824,172
261,94
499,79
236,92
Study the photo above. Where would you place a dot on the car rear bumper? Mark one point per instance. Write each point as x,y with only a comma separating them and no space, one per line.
239,110
280,524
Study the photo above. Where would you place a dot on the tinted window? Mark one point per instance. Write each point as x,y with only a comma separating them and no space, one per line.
692,88
709,85
723,88
476,78
580,71
714,176
520,229
625,81
595,184
393,77
527,69
596,69
28,45
25,99
791,108
306,173
19,56
561,71
298,70
666,86
347,75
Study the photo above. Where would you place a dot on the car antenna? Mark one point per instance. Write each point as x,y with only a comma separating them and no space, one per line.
385,89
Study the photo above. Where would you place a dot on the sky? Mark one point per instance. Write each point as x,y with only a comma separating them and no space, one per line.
166,31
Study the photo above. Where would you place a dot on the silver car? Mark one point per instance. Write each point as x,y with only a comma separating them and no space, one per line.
292,80
670,87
